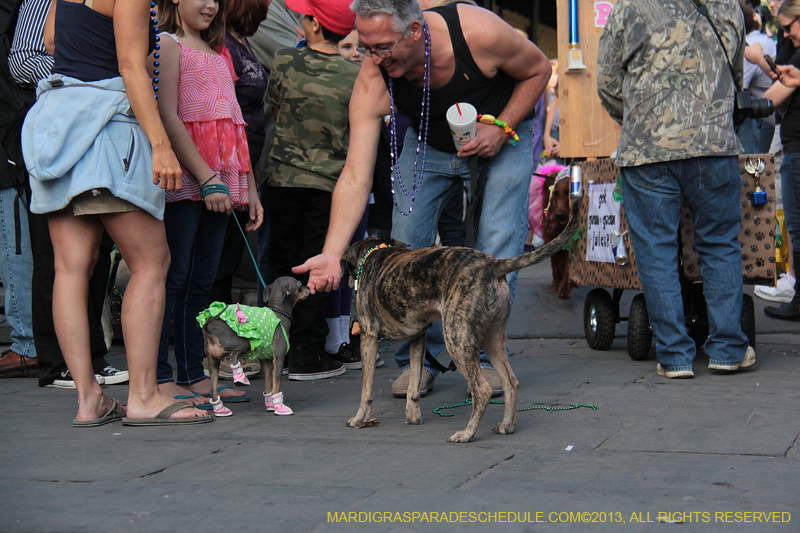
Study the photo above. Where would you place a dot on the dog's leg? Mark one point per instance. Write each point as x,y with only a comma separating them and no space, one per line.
467,361
369,354
269,384
416,352
272,375
495,346
214,365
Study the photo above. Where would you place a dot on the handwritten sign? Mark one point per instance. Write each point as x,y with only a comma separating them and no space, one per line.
603,222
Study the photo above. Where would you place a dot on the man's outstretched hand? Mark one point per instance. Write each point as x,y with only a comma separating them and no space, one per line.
324,272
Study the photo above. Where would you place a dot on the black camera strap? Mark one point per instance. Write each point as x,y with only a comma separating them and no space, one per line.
703,10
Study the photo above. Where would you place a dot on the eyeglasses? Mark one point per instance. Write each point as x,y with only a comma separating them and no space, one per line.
383,53
788,27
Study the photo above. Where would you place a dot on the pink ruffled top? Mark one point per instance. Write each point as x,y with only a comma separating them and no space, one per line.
208,108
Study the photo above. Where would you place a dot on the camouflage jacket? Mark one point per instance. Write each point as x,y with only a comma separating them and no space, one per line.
311,92
663,75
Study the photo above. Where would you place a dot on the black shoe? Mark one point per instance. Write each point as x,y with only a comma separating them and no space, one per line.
311,363
113,376
65,381
347,357
787,311
355,345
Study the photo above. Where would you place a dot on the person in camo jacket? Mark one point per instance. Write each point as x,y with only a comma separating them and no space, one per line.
663,74
309,90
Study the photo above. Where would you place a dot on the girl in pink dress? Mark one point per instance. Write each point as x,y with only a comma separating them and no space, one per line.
198,106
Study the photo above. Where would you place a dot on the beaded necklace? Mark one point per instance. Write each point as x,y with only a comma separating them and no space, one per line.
157,47
422,136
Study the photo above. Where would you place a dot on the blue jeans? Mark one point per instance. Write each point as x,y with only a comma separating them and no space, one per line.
755,134
711,188
16,272
790,189
504,214
194,236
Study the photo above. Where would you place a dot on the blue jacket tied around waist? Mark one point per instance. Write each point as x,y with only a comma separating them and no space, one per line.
81,136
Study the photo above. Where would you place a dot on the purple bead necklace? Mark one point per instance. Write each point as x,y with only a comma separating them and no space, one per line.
422,136
157,47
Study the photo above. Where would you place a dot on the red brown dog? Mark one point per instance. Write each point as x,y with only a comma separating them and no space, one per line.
555,220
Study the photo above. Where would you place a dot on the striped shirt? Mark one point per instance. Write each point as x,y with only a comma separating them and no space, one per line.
29,61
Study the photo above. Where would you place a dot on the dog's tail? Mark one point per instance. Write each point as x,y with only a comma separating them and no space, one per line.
506,266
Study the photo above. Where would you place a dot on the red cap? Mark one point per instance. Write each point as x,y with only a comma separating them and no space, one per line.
335,15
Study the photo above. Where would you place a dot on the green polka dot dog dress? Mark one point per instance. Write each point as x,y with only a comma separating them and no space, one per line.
257,324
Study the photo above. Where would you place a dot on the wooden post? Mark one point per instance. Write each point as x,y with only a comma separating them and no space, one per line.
586,130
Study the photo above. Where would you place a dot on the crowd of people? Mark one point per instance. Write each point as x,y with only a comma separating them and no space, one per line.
169,128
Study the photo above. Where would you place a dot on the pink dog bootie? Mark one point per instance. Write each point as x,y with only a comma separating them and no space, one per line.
268,401
238,375
279,407
219,409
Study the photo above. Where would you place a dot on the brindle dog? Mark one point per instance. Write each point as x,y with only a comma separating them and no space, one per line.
401,293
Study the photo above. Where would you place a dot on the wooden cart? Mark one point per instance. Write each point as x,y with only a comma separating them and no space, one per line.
601,308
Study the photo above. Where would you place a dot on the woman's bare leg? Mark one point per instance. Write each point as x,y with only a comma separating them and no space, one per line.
142,242
76,242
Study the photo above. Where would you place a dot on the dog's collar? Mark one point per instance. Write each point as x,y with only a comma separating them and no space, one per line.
279,311
361,264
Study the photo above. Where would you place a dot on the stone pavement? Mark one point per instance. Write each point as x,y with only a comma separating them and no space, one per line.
699,450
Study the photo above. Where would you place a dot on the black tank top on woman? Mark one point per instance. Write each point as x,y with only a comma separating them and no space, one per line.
86,48
468,84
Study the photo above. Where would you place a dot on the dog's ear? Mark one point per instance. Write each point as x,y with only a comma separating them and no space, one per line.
266,293
348,272
349,256
397,244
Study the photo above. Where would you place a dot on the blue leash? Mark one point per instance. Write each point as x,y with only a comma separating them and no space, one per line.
255,264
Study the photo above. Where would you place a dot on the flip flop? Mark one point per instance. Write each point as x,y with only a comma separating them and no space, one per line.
114,413
202,406
230,399
163,418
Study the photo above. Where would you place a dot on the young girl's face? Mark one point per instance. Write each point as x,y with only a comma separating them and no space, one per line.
347,48
196,15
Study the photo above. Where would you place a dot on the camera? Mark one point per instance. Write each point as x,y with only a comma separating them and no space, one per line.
745,106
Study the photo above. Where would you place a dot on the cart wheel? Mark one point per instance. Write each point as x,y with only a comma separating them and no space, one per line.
599,319
640,336
749,319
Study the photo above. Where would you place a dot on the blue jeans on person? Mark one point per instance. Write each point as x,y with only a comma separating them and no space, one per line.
194,236
790,189
16,272
711,188
504,215
755,134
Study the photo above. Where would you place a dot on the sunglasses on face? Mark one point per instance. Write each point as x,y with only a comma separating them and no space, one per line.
788,27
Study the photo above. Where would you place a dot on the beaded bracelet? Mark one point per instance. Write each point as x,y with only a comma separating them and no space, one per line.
489,119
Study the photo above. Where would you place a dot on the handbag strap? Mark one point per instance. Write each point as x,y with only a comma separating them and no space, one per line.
703,10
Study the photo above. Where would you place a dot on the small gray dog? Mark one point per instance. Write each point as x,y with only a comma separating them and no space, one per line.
220,340
401,293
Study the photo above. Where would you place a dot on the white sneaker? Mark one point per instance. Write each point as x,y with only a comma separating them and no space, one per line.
748,362
673,374
782,292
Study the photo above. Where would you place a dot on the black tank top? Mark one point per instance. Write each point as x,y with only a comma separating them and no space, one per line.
85,45
468,84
